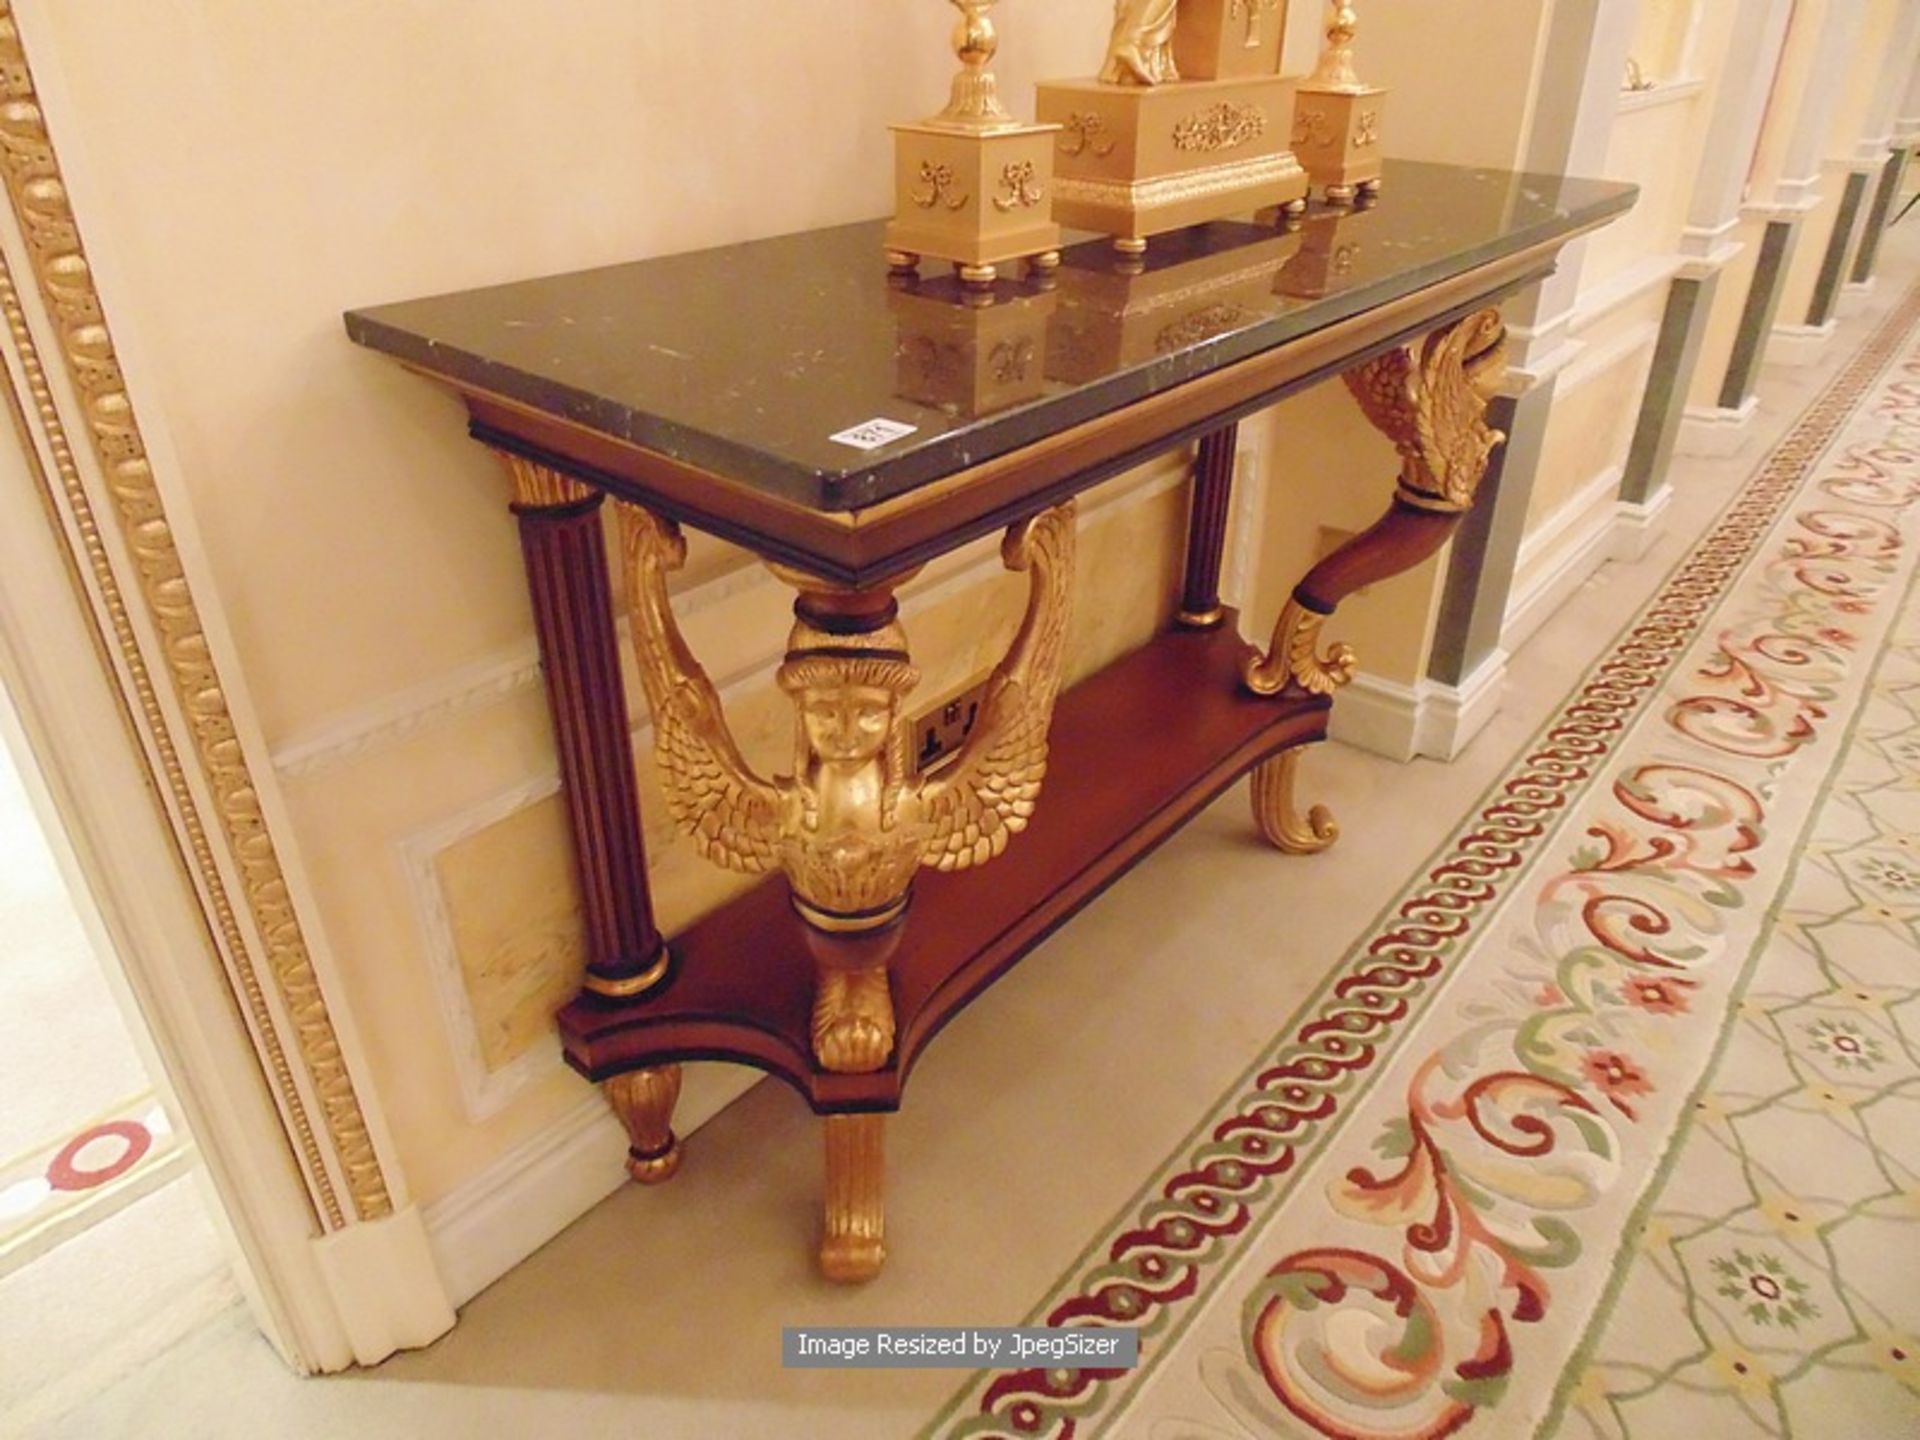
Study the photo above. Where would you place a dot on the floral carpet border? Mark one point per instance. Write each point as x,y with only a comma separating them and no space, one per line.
1185,1224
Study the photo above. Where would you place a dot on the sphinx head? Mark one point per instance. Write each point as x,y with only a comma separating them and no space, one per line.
847,697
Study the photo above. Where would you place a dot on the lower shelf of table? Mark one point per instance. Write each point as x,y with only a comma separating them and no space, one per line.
1136,751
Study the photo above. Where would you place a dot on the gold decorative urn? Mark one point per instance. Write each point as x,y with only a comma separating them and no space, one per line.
1336,120
1186,122
972,184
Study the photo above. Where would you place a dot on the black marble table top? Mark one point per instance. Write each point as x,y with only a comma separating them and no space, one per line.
748,360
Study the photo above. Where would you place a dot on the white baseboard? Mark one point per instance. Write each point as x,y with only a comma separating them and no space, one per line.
1399,721
1713,432
1379,716
1800,344
541,1186
1854,295
385,1281
1636,525
1559,556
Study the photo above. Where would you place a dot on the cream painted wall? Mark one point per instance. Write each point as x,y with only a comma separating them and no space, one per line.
1783,107
1449,65
1851,111
1656,144
264,166
1660,39
1723,325
1329,476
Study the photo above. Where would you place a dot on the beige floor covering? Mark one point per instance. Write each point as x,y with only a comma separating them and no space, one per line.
1031,1121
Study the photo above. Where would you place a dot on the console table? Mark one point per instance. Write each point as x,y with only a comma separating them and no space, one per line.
846,427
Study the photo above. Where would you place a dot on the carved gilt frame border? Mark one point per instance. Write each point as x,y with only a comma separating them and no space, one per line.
138,594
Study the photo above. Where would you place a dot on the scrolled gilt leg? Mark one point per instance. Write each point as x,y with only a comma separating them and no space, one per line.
854,1246
644,1101
1430,398
1295,659
1277,814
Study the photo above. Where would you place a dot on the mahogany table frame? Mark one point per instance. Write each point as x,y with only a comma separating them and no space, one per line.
734,986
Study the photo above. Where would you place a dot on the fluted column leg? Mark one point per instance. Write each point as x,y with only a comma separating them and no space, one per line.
1200,607
566,566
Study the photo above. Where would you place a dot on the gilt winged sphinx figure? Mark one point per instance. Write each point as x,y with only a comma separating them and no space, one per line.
853,824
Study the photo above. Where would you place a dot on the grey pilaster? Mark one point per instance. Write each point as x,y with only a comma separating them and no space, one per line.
1892,177
1486,547
1756,319
1833,266
1663,405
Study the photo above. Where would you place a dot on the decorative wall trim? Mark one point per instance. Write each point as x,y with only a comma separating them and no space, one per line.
392,719
1801,344
1712,431
405,713
1871,152
1705,266
1667,92
1625,288
1560,555
140,588
483,1093
1598,359
1402,722
1791,197
1700,241
1636,525
1853,295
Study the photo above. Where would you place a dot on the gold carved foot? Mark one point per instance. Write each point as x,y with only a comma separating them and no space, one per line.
1277,814
644,1101
854,1245
853,1020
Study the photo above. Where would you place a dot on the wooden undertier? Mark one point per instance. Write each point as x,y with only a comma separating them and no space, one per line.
1136,751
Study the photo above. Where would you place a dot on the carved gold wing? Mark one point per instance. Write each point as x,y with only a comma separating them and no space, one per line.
731,814
987,795
1431,399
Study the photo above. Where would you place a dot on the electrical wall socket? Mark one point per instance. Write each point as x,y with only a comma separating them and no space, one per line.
939,733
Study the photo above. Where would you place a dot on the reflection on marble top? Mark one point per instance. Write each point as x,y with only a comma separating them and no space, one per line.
747,360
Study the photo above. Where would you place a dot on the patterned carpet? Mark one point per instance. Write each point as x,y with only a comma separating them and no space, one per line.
1611,1124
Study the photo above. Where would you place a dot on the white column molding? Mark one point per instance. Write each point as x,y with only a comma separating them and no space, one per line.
1579,102
1798,187
1883,122
1906,129
1746,80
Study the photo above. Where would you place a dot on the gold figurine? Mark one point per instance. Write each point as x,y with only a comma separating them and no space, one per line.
852,824
1187,121
1141,51
972,184
1336,120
